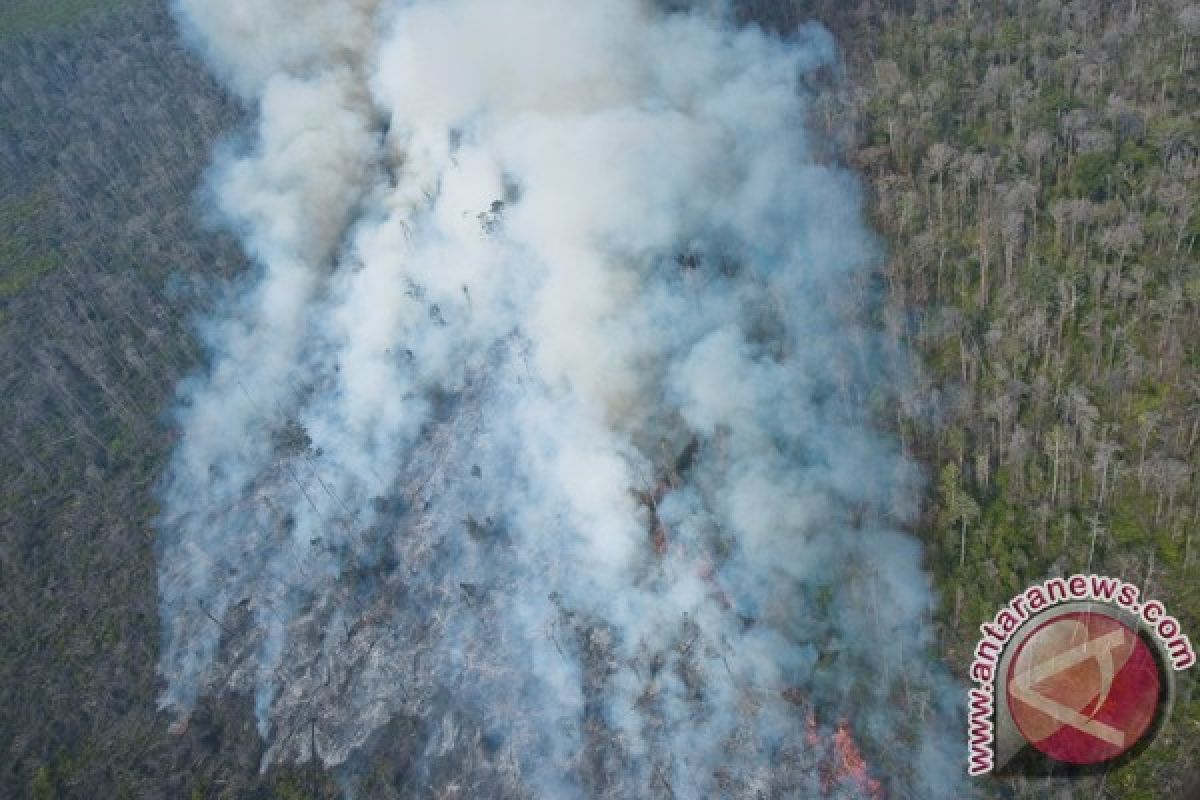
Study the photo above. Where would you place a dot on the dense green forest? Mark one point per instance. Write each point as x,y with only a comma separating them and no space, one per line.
1032,170
106,125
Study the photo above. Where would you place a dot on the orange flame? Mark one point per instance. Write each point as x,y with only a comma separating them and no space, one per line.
842,764
850,764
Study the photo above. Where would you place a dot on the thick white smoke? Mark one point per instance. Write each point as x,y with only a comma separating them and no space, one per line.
542,421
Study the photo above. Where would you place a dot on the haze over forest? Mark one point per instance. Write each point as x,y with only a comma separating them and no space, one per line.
606,399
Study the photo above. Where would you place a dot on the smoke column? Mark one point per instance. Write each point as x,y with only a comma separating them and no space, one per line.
541,423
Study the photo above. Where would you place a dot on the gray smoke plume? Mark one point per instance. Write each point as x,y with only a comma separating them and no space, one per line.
542,421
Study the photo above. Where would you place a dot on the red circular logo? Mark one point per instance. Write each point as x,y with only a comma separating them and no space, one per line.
1083,688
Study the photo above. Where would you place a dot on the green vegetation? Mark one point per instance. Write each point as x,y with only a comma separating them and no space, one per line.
1034,168
23,257
23,17
90,352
